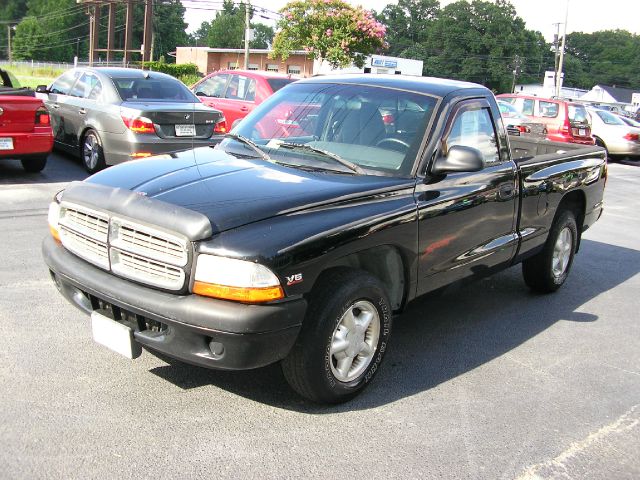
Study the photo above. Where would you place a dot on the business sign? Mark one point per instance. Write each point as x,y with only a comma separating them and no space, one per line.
382,62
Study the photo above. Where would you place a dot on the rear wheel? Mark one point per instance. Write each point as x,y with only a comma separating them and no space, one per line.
600,143
548,270
92,154
343,338
35,164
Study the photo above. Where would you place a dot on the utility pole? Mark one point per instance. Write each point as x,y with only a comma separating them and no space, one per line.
517,62
556,49
9,56
247,30
564,39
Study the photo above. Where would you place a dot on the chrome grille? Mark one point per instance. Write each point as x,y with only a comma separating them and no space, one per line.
145,270
130,249
85,247
148,242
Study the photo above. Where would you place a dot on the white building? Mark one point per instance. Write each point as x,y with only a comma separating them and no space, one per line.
375,64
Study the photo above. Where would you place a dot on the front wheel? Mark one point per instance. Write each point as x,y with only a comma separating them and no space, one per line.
92,154
546,271
343,338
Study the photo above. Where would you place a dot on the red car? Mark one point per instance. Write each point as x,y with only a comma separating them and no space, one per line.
25,131
237,92
565,121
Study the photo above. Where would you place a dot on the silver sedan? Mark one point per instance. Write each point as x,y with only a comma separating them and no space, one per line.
613,134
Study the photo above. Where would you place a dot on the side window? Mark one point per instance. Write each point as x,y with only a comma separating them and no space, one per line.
233,89
250,96
527,106
212,87
87,86
473,127
548,109
63,84
95,90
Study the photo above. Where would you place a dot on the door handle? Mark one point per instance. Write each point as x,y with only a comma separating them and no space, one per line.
244,109
56,106
82,111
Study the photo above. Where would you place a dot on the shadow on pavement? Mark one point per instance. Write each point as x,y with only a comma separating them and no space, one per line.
60,168
442,336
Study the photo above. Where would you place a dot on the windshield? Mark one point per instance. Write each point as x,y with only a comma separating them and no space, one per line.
376,129
159,89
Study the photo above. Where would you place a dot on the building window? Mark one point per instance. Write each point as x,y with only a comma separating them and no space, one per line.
272,67
294,69
253,66
232,65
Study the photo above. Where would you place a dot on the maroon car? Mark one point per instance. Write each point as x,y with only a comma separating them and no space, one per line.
237,92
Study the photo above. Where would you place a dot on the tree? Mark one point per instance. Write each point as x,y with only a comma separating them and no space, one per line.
408,23
227,29
12,10
262,36
169,27
330,30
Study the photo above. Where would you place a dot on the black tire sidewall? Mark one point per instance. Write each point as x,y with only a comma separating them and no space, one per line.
100,164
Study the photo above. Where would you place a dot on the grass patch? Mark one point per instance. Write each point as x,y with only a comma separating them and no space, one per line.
32,77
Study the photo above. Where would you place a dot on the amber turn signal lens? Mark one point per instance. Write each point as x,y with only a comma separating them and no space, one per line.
238,294
55,234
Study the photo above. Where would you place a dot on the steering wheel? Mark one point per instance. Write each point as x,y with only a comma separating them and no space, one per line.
394,142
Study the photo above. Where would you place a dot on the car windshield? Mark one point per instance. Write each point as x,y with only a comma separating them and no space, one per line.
609,118
277,83
158,89
377,130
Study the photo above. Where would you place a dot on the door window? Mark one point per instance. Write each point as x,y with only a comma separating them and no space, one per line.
548,109
87,86
63,84
527,106
241,88
212,87
473,127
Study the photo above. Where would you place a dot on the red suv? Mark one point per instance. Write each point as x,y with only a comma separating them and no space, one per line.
237,92
565,121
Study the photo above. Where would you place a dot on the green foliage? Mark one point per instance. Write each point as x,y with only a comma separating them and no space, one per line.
172,69
262,36
10,10
331,30
227,29
608,57
478,41
169,27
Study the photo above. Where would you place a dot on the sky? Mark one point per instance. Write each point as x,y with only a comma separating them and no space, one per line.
584,15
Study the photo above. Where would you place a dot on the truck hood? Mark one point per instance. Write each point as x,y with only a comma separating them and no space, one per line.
232,191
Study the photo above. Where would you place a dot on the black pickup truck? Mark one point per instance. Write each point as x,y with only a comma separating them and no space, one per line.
328,209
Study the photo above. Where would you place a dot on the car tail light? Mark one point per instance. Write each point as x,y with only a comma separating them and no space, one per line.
42,116
221,126
138,124
632,137
523,129
566,128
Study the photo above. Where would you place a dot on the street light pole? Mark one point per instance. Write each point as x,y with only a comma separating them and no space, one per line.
247,26
9,56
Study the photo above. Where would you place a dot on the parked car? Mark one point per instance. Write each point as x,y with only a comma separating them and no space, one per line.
612,133
9,85
111,115
565,121
630,121
300,249
25,131
237,92
517,124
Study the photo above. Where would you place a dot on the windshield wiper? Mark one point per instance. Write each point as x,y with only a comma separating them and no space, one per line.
252,144
303,146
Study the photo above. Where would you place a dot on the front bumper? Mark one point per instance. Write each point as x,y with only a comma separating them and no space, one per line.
198,330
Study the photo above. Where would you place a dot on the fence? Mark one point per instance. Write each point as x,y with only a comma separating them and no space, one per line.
64,66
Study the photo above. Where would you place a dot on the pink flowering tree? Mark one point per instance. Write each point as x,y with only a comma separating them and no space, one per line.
330,30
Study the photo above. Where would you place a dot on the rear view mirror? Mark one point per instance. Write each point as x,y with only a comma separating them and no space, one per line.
42,89
459,159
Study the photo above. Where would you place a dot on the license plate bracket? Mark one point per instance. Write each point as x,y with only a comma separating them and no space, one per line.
6,143
114,335
188,130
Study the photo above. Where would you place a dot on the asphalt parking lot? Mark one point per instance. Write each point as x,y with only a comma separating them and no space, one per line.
486,381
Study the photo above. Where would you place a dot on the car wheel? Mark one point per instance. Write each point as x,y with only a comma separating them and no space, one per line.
34,165
92,154
600,143
343,338
546,271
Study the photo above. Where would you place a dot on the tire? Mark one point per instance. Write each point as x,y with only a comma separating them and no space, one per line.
546,271
91,152
35,164
600,143
342,299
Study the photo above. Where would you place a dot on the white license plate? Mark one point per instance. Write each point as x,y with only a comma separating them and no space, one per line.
582,132
185,130
6,143
114,335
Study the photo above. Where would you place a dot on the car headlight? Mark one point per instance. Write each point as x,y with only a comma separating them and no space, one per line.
53,218
238,280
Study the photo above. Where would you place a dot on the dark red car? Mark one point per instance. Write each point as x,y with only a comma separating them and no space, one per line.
25,131
237,92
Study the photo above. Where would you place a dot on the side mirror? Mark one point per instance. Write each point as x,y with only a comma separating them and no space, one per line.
459,159
42,89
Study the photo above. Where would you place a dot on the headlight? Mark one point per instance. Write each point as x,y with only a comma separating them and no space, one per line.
239,280
53,218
